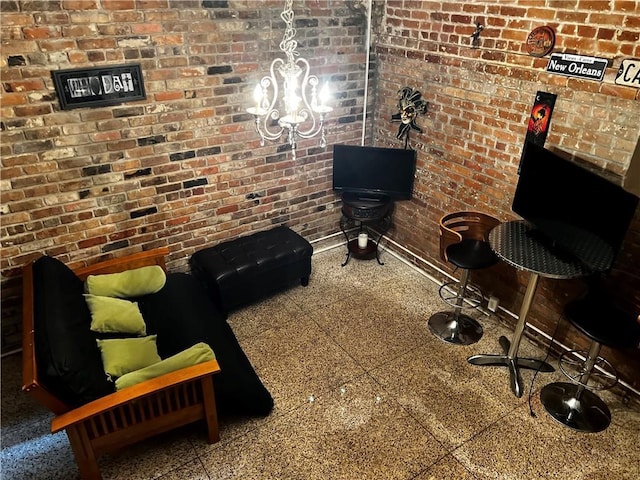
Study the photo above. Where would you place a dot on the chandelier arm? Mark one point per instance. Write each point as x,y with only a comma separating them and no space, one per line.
310,134
271,112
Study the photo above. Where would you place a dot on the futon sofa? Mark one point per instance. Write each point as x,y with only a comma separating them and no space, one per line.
63,367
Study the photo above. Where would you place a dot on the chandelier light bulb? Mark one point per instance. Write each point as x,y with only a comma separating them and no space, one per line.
257,97
324,94
323,97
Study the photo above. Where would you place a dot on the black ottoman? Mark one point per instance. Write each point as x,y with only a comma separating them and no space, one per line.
244,270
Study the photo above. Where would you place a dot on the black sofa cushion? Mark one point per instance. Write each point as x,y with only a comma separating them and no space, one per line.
67,356
182,314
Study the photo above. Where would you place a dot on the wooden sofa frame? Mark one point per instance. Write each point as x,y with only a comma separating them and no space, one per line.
128,415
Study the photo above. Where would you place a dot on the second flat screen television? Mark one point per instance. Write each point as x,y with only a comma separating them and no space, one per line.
572,208
374,171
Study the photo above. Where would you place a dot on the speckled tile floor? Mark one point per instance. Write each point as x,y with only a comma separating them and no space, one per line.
362,391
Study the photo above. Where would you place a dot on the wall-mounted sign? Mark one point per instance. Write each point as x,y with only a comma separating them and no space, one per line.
629,73
591,68
540,119
540,41
99,86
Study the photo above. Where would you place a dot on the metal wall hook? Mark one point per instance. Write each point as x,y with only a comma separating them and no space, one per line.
475,36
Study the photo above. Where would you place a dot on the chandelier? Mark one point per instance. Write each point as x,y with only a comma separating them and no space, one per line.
305,107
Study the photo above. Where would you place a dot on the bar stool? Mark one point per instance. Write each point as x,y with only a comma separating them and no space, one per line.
601,320
464,243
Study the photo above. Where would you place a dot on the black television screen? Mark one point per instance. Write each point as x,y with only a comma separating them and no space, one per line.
374,171
573,208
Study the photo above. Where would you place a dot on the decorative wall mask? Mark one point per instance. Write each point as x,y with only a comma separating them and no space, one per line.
410,105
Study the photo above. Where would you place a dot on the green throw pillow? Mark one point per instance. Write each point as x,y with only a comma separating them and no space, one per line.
114,315
130,283
199,353
123,355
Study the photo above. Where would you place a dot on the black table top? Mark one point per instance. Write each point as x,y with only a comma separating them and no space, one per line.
513,244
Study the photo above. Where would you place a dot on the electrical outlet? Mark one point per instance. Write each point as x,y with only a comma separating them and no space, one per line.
493,303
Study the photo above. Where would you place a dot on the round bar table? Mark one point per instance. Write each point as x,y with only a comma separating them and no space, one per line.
514,243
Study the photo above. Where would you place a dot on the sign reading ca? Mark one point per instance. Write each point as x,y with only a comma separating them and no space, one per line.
629,73
591,68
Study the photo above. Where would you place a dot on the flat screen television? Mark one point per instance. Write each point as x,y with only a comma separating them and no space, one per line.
374,171
571,208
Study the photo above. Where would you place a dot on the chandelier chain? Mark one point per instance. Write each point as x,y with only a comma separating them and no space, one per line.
288,44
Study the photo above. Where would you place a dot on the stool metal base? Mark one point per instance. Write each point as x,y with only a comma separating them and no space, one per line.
462,330
575,407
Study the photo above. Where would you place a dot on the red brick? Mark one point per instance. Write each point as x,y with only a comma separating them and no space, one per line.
24,86
628,36
151,4
118,4
105,136
619,91
12,19
77,57
169,39
127,16
96,43
31,33
96,56
32,110
10,99
540,13
92,242
164,96
80,4
57,45
146,28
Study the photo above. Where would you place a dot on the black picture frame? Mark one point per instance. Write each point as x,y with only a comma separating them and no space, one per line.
99,86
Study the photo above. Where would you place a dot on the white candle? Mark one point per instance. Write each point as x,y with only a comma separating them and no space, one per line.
257,96
324,94
363,240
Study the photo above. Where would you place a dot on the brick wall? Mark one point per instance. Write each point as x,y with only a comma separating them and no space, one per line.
184,167
479,104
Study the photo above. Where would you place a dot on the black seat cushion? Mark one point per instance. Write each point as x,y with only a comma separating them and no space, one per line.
600,319
183,314
67,356
471,254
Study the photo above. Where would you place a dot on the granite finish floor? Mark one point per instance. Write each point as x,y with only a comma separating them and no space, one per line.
362,391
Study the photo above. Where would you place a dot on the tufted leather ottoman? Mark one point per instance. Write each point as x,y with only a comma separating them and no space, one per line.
244,270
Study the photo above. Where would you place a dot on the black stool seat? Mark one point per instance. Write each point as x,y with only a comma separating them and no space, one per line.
598,317
602,321
471,254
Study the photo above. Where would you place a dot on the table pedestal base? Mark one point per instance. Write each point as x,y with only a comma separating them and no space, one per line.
513,363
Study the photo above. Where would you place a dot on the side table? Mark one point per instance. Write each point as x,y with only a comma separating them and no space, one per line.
370,215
